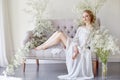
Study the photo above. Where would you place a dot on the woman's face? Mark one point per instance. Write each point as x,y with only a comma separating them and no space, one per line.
86,18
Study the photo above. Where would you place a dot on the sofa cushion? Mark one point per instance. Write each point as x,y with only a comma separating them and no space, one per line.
55,52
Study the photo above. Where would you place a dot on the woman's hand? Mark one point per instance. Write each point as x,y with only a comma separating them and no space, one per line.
76,52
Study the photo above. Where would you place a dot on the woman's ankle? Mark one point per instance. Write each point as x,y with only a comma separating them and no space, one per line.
39,48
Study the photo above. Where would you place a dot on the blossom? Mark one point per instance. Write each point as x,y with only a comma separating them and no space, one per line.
102,43
42,28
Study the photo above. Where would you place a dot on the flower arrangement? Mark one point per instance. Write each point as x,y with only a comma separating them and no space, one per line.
42,28
102,43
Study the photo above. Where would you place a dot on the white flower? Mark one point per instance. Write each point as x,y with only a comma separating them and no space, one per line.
42,27
9,70
102,43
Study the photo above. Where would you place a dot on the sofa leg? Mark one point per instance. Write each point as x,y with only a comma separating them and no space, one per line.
95,68
37,62
24,64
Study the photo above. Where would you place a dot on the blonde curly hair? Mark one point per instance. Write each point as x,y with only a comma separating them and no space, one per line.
92,16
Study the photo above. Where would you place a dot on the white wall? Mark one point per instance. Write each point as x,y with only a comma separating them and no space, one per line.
110,17
20,22
62,9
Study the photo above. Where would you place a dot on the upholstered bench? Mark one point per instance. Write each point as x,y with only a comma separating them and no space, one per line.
57,52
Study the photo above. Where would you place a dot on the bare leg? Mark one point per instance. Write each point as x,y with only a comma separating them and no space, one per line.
56,38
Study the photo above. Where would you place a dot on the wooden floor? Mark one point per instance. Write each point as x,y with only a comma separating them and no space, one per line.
51,71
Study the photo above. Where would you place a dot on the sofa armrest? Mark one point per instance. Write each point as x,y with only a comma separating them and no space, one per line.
28,37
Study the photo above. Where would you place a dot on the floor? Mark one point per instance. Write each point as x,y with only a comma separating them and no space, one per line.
51,71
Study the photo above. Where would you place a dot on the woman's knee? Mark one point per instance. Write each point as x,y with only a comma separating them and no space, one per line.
60,33
56,32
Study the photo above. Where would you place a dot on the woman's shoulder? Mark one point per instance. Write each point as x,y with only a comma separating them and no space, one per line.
84,28
81,27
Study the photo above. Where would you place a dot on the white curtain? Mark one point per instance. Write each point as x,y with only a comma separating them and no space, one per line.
5,35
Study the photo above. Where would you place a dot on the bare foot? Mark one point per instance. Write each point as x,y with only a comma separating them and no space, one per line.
74,56
39,48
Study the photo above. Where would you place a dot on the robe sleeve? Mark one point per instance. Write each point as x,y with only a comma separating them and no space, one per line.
83,44
76,38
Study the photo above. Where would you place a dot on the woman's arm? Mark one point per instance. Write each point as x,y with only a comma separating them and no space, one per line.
84,42
76,38
76,52
76,43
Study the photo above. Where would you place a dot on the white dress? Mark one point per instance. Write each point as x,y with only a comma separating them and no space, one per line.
81,67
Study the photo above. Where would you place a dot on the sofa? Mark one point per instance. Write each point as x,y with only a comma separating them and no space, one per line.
57,52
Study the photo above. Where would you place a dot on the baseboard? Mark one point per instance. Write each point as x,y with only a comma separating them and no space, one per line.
114,59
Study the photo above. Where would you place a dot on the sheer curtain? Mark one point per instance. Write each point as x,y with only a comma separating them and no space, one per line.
5,35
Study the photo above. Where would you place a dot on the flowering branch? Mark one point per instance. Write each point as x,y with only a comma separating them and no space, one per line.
102,43
42,28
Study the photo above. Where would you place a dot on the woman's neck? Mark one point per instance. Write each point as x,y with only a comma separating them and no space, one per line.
89,25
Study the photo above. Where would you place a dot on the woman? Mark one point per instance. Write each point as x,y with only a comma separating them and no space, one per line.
78,56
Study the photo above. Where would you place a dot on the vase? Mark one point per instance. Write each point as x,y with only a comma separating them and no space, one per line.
104,71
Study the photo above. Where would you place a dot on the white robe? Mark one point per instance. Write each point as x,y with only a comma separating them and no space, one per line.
81,67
